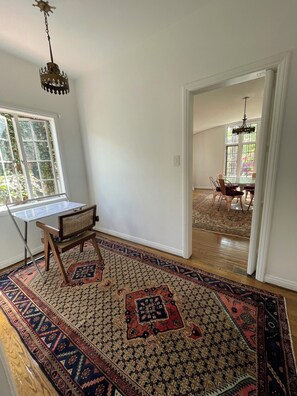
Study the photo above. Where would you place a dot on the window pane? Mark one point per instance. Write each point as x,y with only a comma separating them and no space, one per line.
37,188
5,150
49,187
33,170
46,170
29,151
39,130
231,160
43,151
3,131
25,129
250,137
230,137
248,159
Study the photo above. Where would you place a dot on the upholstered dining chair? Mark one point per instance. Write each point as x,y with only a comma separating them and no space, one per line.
216,189
229,193
74,229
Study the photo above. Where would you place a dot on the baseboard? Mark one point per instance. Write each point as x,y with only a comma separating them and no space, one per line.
19,257
141,241
287,284
202,188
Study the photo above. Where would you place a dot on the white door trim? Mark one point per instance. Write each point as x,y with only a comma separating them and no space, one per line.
279,63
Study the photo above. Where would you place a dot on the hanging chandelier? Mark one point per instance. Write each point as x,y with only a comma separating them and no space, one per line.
52,79
244,128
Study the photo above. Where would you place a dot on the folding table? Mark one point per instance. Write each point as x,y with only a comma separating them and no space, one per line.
35,209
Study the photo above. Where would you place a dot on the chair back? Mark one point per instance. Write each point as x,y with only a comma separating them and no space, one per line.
223,186
75,223
213,183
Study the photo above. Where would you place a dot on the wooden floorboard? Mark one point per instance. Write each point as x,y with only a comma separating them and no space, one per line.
221,255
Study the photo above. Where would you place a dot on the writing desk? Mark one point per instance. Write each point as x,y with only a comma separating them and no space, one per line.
42,209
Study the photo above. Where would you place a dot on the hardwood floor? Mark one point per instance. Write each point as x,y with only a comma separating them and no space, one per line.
220,255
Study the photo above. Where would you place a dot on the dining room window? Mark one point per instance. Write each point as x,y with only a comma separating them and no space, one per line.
240,152
29,160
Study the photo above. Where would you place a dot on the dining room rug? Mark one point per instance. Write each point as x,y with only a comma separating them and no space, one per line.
206,216
150,326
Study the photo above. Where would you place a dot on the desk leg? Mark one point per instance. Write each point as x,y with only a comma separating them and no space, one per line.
25,244
26,240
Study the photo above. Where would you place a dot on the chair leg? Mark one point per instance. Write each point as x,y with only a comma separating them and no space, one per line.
241,203
229,203
58,259
46,252
250,202
220,201
81,247
213,198
96,247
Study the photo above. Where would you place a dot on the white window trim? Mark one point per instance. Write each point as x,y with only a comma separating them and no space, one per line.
53,119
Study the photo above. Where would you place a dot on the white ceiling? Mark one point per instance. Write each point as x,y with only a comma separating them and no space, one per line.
85,34
225,105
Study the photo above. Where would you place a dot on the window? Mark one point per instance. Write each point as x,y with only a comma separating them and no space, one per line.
29,166
240,153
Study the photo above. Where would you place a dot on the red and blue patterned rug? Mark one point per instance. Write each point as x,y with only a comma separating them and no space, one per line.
144,325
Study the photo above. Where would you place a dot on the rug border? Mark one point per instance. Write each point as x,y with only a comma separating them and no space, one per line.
71,333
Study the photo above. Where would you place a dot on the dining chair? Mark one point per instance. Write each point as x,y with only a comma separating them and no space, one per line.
74,229
216,189
229,193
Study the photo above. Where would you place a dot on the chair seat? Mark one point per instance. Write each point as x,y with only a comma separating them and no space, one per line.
233,193
69,243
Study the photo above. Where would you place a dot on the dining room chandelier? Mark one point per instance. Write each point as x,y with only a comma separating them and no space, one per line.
52,79
244,128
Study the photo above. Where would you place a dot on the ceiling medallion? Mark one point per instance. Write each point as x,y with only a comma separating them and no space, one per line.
52,79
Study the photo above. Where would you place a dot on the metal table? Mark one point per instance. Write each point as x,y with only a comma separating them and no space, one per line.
36,210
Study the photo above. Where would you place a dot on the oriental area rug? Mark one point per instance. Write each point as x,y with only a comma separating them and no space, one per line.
140,324
207,217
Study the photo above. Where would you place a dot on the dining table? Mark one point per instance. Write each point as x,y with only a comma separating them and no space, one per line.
241,181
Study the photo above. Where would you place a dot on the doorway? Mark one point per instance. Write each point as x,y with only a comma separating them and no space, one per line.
216,150
276,71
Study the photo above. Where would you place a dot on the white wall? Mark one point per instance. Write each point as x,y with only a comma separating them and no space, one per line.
131,115
208,155
20,87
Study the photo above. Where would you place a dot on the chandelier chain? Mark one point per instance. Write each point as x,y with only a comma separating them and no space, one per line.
48,36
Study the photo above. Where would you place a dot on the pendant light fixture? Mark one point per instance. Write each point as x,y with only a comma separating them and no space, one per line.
244,128
52,79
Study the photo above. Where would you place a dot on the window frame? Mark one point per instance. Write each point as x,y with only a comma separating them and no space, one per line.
240,145
53,120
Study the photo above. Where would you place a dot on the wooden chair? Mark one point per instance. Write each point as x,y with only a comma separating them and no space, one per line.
216,189
229,193
74,229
